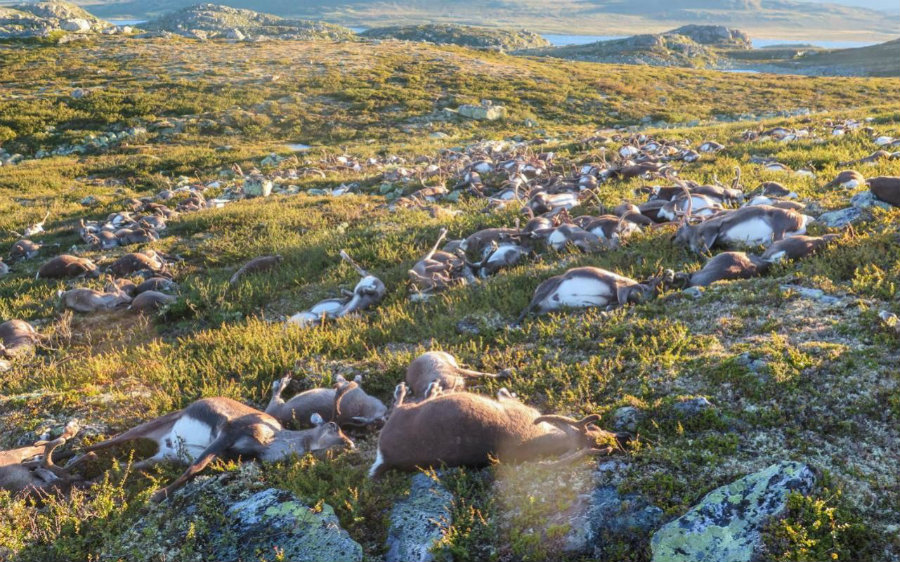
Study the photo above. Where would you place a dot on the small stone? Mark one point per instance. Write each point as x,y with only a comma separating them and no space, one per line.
693,406
867,199
627,418
693,292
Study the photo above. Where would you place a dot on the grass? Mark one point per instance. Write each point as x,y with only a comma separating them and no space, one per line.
819,395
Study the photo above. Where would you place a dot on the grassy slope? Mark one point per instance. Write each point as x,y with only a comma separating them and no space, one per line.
826,395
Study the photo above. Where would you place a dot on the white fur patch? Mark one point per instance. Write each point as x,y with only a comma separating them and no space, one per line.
750,232
188,439
578,293
379,460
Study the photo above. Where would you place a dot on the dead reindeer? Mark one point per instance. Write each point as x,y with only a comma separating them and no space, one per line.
438,269
584,287
216,427
848,179
797,247
65,266
36,228
148,263
139,235
542,203
159,284
886,188
24,250
101,240
17,337
632,213
701,205
439,369
497,257
151,301
89,300
747,226
779,203
477,243
368,292
347,404
31,469
775,189
256,265
725,266
465,429
572,235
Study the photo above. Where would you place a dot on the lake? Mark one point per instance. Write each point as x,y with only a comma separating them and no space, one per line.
564,40
122,23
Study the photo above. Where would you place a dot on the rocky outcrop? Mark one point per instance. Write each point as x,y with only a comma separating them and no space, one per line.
233,516
212,21
715,36
419,521
463,35
42,19
727,523
650,49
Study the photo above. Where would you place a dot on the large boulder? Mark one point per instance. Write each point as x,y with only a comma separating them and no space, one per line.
726,525
483,112
233,516
418,522
715,36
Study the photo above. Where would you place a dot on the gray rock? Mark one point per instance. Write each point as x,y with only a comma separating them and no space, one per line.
812,294
483,112
627,418
727,523
77,25
419,521
867,199
605,518
693,406
232,516
841,218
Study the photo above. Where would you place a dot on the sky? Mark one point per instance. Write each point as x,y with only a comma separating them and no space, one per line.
885,5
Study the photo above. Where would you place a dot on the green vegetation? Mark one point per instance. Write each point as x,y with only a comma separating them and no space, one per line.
824,389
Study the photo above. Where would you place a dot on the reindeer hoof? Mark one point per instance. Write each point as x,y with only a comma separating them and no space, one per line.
159,496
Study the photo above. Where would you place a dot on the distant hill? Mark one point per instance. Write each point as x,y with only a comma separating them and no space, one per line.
463,35
877,60
787,19
209,21
648,49
40,19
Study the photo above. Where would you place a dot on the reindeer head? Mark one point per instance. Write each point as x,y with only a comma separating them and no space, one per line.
585,436
327,435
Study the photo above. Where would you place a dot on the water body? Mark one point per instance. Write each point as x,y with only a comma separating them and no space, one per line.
565,40
121,23
298,147
760,43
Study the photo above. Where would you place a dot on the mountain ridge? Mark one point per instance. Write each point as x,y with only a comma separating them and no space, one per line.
789,19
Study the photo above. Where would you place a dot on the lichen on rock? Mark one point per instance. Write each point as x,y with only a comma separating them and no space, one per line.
727,523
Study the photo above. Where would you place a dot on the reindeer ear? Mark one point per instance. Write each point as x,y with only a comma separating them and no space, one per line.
316,419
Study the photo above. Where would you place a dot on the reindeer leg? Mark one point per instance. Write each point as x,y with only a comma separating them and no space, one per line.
217,447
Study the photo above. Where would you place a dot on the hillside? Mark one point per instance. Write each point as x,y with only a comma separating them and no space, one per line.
773,396
40,19
214,20
462,35
788,19
656,50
